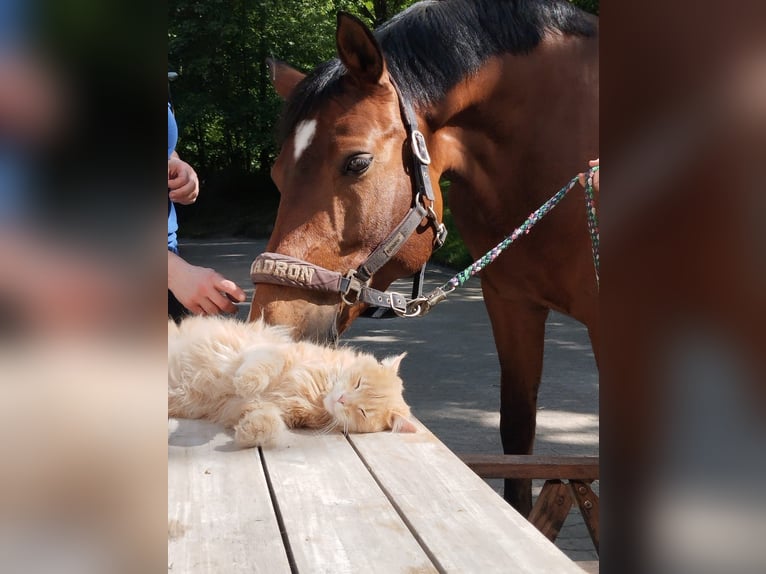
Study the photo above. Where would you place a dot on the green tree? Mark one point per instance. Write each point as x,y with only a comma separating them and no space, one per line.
378,11
225,105
587,5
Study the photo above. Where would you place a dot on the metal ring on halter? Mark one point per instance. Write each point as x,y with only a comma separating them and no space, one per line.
419,147
415,308
441,229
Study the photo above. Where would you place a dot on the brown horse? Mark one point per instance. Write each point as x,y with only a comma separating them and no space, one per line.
505,94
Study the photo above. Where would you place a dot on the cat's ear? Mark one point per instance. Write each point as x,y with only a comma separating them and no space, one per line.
401,423
393,362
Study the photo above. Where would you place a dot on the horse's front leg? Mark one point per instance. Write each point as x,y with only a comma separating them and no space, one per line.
519,331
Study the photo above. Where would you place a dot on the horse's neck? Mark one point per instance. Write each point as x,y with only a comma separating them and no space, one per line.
523,125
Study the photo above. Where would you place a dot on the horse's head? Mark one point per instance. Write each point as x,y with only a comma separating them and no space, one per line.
348,177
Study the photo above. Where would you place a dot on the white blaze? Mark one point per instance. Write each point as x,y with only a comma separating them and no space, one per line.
304,133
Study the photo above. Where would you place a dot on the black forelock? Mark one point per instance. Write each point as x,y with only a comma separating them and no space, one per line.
318,85
434,44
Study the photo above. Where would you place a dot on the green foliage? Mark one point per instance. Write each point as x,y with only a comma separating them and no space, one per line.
225,105
378,11
587,5
453,253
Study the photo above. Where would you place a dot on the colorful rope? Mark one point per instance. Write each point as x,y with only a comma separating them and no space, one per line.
590,205
530,222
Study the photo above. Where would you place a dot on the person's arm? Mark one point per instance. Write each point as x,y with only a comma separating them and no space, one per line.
183,182
200,289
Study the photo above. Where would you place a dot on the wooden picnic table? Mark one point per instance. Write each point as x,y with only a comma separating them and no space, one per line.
373,503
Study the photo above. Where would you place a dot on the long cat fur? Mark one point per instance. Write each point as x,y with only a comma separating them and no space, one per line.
256,379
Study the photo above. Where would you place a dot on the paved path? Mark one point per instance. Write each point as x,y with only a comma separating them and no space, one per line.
452,375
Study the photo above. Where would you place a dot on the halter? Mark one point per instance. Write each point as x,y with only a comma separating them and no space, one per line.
354,285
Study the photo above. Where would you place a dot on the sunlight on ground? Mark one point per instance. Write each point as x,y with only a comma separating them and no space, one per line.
468,415
570,345
207,243
553,426
477,297
565,427
374,339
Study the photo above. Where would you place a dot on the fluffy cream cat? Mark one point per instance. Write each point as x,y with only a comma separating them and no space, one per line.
256,379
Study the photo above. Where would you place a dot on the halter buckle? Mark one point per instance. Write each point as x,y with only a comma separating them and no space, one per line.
351,285
419,147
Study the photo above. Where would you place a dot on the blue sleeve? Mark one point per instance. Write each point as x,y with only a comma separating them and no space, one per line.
172,221
172,131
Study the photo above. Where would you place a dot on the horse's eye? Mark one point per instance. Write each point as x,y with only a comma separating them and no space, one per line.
359,163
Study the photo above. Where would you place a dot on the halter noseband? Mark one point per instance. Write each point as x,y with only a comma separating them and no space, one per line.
353,287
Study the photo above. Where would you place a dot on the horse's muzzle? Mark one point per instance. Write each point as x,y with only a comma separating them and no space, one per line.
310,320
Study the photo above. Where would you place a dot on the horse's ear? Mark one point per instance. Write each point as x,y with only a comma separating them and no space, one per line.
358,49
283,77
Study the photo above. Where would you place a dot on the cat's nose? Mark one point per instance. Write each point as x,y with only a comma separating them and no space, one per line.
341,400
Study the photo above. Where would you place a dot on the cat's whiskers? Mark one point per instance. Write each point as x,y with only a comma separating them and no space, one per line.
331,425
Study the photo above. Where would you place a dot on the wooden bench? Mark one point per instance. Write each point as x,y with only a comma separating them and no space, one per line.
567,480
371,503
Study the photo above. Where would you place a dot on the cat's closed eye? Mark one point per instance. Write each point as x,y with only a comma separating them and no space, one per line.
361,410
358,384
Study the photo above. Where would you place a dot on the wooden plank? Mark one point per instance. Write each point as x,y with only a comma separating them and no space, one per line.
590,566
587,500
464,524
220,515
551,508
533,466
336,517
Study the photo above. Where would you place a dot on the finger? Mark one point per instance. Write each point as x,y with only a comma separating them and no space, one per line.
179,181
195,309
593,162
209,307
223,304
231,288
187,193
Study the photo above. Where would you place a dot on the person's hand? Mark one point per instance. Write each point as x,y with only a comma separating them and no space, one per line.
183,182
584,176
200,289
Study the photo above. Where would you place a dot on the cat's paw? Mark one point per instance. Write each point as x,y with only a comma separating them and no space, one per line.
257,429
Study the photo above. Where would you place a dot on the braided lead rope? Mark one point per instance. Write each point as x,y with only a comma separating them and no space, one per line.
419,306
590,205
459,279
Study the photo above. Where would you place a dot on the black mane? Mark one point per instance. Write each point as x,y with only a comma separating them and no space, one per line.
433,44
